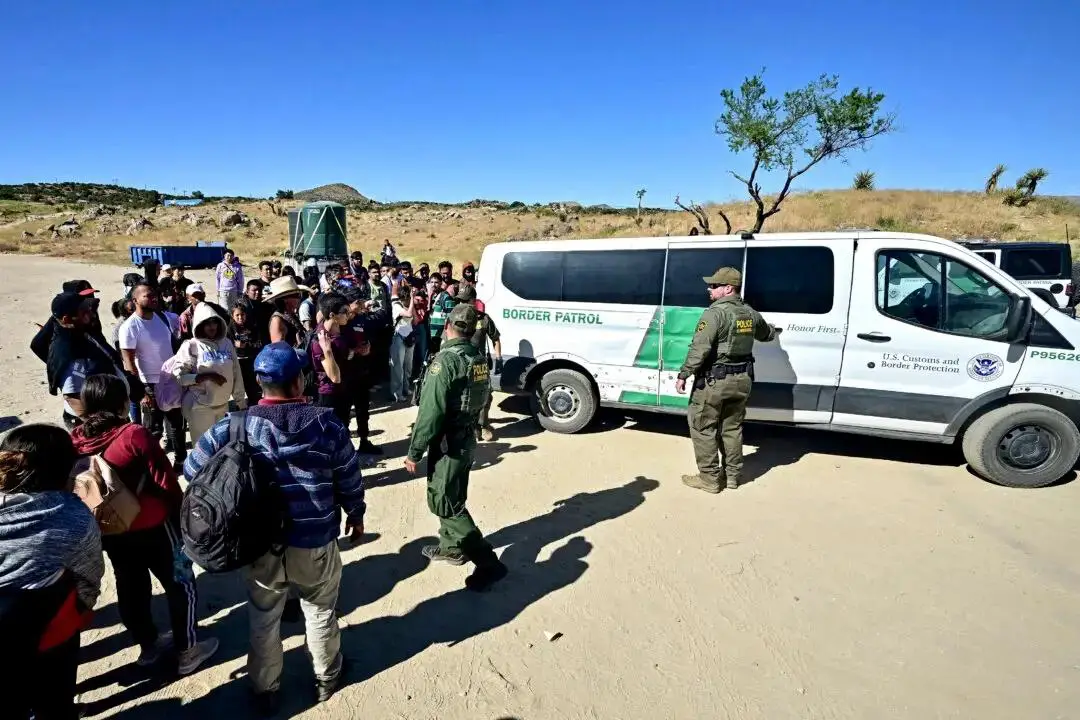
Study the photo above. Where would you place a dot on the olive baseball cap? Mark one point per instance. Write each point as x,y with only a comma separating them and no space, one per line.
464,319
465,293
725,276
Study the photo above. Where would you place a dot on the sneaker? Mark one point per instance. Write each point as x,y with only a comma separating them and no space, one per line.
368,448
150,654
732,484
435,553
696,482
486,576
266,704
196,655
487,433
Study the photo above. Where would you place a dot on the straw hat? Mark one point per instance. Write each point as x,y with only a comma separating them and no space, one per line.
284,286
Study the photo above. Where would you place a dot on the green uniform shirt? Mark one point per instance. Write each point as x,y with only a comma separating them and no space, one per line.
485,330
725,334
455,389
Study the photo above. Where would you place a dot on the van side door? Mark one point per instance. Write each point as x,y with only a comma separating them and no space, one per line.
686,296
803,287
920,348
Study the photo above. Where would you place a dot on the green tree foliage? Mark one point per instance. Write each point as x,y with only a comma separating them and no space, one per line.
197,194
284,195
992,181
794,133
864,180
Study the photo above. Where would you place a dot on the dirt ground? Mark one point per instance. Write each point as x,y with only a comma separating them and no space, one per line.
852,578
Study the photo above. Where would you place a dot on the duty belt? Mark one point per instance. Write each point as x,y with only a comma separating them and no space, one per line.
722,370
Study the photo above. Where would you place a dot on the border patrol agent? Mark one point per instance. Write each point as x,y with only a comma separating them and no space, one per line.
485,330
722,362
456,388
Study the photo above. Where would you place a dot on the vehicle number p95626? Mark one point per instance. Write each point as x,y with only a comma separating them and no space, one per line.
1053,355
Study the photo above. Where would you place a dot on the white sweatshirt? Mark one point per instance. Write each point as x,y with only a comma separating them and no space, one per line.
199,356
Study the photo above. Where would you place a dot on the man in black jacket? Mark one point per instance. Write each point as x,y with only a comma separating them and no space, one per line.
75,352
40,344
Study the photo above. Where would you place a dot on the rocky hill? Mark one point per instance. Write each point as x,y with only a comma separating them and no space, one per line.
431,231
335,192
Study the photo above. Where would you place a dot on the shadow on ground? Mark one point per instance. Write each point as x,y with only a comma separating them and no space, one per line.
453,617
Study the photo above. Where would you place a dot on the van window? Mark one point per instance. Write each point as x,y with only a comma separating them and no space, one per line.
795,279
1034,263
534,275
684,284
623,277
989,256
948,296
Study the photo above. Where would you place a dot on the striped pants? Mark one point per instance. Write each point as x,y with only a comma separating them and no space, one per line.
134,556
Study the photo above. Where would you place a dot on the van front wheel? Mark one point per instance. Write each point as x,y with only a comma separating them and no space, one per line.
1022,446
564,401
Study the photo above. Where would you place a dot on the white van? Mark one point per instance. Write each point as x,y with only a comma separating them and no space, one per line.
960,350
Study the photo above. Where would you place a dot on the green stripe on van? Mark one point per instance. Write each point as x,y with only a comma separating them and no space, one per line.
650,400
679,326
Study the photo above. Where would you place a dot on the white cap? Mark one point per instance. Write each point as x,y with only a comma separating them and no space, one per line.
311,262
195,288
166,267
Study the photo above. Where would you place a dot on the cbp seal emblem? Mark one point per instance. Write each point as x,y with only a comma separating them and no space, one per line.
985,367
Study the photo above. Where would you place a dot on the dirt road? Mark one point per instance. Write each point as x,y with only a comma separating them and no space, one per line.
851,579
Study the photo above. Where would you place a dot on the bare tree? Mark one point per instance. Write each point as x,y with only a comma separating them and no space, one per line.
796,133
702,217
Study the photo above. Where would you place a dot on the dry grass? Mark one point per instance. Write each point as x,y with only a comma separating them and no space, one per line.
459,234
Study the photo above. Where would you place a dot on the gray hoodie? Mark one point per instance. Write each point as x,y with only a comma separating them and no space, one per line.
43,534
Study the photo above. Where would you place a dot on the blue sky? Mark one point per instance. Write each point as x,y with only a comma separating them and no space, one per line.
559,100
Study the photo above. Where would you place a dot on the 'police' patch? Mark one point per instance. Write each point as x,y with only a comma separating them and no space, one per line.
701,326
435,368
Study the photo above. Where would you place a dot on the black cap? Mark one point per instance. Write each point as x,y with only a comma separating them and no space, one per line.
79,287
67,304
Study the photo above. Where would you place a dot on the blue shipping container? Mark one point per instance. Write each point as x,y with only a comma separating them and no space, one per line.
189,257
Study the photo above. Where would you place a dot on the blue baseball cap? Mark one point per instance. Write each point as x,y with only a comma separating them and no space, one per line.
279,363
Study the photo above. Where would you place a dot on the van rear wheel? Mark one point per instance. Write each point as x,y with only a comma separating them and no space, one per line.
1023,445
564,401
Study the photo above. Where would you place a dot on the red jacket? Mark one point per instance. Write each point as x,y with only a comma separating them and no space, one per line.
133,452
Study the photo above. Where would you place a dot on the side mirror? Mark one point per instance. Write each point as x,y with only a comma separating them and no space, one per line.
1018,319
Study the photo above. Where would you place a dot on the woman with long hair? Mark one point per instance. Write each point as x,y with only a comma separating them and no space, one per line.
152,545
50,573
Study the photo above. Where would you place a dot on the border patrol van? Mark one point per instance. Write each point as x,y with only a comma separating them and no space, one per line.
887,334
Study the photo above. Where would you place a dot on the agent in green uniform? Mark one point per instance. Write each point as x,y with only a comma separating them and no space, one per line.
485,330
456,387
721,359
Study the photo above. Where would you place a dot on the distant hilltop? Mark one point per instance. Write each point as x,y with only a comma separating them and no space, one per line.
335,192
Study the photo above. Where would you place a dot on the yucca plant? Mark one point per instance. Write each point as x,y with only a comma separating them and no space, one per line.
864,180
1030,180
992,181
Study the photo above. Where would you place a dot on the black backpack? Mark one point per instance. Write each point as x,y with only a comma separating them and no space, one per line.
230,516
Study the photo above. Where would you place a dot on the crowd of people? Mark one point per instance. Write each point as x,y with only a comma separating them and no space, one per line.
289,344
